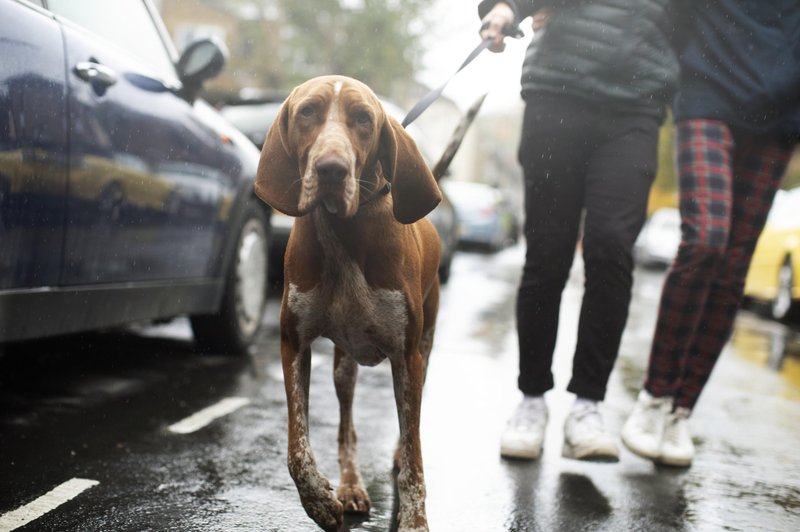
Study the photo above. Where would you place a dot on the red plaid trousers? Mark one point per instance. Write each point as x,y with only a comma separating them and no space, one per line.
727,184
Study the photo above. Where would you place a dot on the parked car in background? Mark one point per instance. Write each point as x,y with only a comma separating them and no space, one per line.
123,196
658,241
774,275
486,217
444,219
255,117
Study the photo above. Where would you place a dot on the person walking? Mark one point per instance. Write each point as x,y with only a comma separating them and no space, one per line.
596,80
737,116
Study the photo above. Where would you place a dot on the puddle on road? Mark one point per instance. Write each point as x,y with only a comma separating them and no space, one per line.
771,345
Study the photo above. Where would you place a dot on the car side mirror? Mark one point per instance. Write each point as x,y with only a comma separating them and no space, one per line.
202,60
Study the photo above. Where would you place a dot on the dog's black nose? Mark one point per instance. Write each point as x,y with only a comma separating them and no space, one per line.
331,169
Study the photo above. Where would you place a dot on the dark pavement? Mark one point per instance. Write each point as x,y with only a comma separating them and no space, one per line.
99,407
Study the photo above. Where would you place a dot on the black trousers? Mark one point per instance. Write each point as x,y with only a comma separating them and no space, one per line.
581,162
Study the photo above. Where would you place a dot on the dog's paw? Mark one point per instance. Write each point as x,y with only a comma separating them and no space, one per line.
354,499
322,505
418,526
411,513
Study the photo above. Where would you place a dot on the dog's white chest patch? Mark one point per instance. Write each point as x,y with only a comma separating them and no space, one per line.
369,324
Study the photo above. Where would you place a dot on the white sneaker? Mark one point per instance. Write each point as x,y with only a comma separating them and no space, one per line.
524,432
642,433
585,436
677,448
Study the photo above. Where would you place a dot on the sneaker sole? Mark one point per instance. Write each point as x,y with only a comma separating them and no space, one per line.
639,452
519,454
605,456
674,462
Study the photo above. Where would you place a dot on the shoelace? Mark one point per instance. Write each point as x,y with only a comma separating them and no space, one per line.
589,417
650,416
528,413
674,429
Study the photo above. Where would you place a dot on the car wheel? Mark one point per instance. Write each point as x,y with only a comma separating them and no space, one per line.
234,328
514,238
783,306
444,269
4,190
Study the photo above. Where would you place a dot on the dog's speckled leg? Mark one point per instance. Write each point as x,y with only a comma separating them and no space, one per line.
316,493
407,374
352,493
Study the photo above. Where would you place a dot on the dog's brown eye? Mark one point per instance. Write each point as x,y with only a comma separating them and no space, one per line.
307,111
363,118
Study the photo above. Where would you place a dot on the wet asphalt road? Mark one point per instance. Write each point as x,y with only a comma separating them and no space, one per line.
99,407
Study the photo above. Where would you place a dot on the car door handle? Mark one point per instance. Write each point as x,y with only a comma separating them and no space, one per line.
96,73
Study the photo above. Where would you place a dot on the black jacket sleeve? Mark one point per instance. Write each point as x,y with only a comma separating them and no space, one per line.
523,8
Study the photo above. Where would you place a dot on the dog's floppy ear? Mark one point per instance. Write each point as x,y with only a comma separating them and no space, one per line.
414,190
278,178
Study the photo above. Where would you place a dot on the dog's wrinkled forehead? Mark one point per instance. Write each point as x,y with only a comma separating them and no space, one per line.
329,96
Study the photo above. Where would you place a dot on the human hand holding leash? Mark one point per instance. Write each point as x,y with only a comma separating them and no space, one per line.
495,26
508,30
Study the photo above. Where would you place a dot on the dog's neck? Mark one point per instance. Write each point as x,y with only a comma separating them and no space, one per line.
341,242
380,185
385,189
349,239
352,228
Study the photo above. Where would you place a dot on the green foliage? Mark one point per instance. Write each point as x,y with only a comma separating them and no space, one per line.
371,40
666,178
665,188
792,177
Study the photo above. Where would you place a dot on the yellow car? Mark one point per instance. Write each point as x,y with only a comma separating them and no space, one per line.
774,275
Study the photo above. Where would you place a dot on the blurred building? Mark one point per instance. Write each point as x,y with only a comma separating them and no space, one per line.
251,32
249,29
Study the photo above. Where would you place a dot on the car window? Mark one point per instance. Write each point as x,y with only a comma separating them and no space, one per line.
126,23
472,195
252,120
783,214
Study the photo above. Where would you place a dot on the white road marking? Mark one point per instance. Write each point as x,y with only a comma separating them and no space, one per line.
44,504
205,416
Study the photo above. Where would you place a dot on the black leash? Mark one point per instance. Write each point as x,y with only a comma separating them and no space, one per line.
429,98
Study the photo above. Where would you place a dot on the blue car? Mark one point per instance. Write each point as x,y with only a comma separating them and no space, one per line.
123,196
486,216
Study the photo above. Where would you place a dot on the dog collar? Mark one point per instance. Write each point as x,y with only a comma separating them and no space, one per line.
385,189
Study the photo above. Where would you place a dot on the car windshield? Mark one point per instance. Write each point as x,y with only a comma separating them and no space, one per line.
471,195
667,219
251,118
784,211
125,23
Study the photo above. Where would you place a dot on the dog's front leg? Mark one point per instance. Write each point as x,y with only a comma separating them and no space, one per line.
352,493
408,375
315,490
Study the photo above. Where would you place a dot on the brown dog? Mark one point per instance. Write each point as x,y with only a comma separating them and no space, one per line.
360,269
